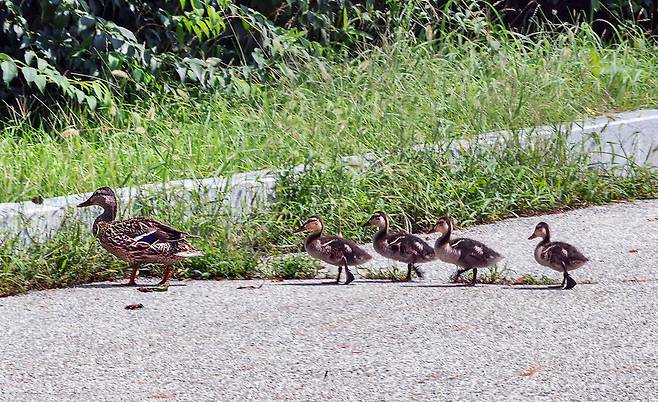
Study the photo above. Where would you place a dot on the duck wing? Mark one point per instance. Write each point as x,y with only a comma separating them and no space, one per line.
409,246
337,248
559,253
146,247
474,253
148,230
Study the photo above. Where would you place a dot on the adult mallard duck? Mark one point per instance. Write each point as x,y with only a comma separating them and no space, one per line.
331,249
467,254
138,240
559,256
403,247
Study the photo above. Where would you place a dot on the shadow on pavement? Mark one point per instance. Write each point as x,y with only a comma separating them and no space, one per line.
553,287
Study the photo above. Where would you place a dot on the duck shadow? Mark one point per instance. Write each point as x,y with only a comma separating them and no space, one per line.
121,285
551,287
99,286
446,285
311,284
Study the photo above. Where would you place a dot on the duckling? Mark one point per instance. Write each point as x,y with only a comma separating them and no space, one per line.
559,256
468,254
331,249
138,240
403,247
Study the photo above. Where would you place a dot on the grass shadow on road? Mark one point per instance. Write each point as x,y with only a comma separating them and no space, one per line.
447,285
120,285
552,287
309,284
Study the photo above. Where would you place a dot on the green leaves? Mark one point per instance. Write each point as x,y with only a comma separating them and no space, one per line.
40,82
9,71
29,73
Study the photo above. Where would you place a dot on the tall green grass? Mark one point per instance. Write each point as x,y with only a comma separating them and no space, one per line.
384,99
414,187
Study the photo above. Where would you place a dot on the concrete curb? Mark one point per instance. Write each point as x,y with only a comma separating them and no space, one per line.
616,140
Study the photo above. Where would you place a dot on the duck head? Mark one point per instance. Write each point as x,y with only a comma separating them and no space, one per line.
541,230
313,224
378,219
443,225
103,197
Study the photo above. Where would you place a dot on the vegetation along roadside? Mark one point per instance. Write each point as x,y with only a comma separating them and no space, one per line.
380,91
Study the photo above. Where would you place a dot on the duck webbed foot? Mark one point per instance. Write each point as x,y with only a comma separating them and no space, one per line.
570,282
455,275
350,276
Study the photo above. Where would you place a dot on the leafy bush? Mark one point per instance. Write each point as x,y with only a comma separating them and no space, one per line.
90,52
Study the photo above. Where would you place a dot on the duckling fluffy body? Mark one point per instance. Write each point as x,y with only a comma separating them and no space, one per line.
467,254
138,240
558,256
332,249
403,247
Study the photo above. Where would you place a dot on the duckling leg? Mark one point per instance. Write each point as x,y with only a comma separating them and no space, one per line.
455,276
570,282
340,270
419,273
350,276
165,276
475,276
410,266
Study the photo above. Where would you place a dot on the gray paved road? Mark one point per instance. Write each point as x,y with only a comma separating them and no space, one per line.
368,341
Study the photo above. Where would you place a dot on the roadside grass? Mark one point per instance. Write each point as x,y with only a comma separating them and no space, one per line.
383,100
505,276
292,267
413,186
529,279
387,274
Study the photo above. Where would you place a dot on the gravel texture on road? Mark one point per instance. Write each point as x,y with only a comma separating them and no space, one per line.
372,340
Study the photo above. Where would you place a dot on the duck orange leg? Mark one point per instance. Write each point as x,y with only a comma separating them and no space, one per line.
165,275
133,275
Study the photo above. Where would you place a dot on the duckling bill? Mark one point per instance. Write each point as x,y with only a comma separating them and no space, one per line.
138,241
467,254
332,249
403,247
558,256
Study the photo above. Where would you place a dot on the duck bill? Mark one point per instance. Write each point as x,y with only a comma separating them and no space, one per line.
299,229
365,225
85,203
532,236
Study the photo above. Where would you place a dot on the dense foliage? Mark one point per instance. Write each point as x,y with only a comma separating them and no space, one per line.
91,51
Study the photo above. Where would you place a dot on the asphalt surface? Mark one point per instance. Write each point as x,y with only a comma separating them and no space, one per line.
372,340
